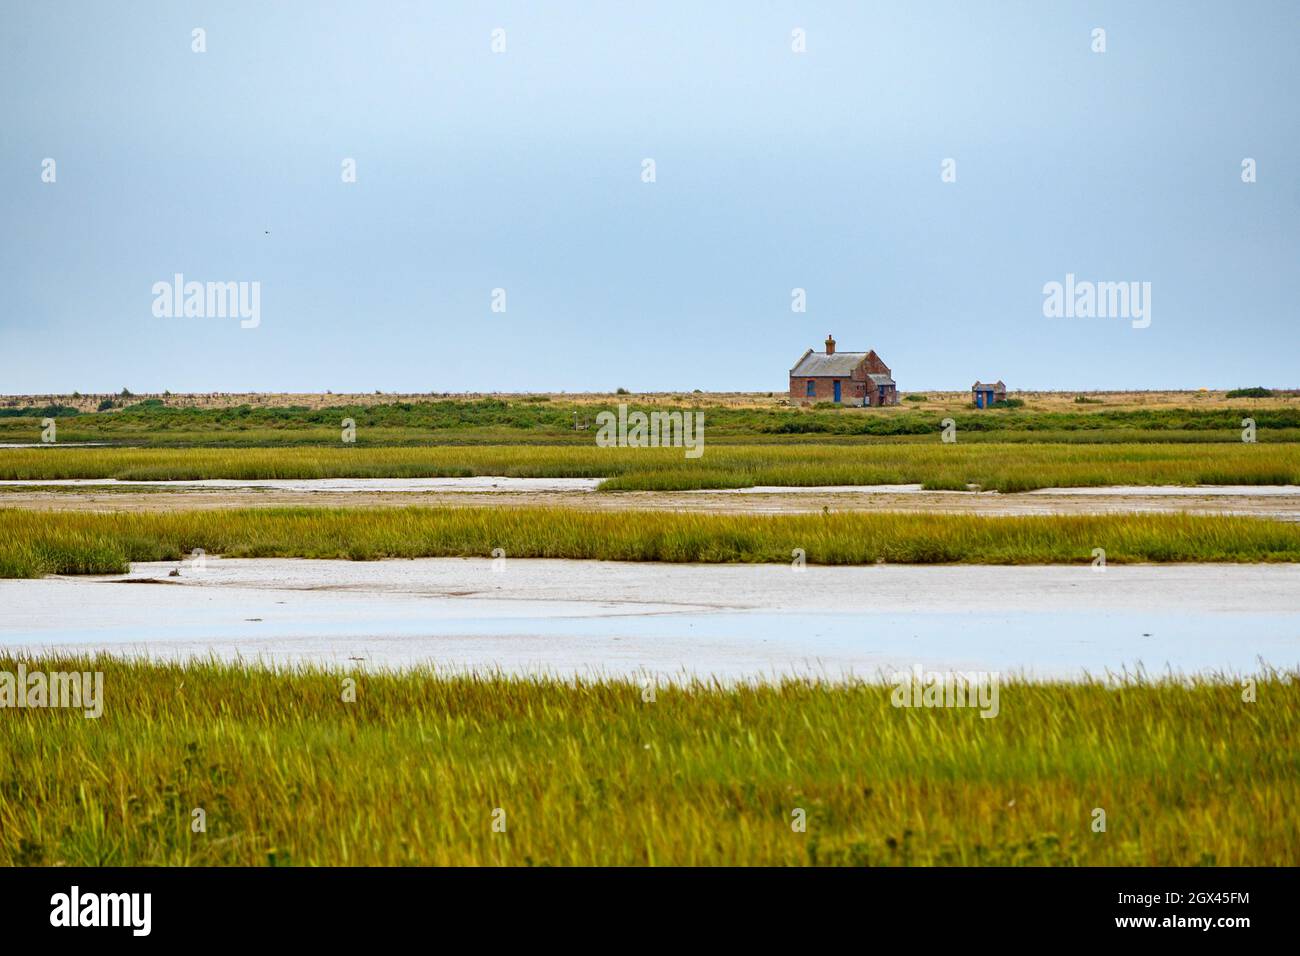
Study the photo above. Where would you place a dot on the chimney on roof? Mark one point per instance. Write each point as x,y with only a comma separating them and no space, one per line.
830,344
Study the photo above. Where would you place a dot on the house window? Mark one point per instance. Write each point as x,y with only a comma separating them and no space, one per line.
812,389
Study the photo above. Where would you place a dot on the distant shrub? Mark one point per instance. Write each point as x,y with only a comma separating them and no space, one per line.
537,398
106,404
48,411
1009,403
1257,391
146,405
916,398
1085,400
622,391
800,425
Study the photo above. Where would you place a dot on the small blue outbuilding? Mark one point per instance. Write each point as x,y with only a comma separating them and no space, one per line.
984,395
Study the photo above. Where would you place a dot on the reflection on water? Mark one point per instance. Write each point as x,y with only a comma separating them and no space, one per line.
584,637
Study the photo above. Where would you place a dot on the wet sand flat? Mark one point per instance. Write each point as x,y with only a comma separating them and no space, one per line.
1277,502
733,622
314,485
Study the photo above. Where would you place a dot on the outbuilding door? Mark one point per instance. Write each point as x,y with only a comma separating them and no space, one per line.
837,391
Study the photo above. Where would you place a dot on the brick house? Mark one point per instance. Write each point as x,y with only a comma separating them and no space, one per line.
851,378
983,394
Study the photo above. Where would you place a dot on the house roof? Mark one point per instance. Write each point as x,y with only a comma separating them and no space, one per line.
878,379
819,363
999,384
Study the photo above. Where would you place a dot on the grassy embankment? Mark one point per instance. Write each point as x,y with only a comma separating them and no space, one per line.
521,420
38,543
1001,467
411,772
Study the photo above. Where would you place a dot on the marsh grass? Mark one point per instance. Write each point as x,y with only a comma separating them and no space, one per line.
1006,467
35,543
287,773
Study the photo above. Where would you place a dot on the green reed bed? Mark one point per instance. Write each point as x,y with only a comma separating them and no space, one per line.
382,436
416,769
34,543
1007,467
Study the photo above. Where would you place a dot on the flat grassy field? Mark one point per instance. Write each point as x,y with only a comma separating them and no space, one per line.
1007,467
541,419
35,543
418,767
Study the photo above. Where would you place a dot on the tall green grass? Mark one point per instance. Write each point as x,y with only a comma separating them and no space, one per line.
35,543
1007,467
411,772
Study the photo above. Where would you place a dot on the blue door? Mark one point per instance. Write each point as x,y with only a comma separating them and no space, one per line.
837,391
979,399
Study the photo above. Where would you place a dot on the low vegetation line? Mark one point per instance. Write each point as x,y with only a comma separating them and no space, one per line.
1006,467
38,543
164,420
287,768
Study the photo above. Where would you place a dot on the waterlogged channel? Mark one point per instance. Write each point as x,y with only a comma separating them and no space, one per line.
472,484
732,622
501,483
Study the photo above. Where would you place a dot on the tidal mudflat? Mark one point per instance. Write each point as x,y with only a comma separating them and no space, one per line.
734,622
1279,502
1099,490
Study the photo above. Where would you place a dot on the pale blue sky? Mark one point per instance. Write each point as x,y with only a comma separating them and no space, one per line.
522,170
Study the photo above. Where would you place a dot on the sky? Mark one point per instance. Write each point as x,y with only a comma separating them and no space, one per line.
480,169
